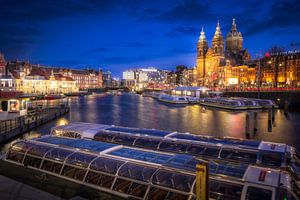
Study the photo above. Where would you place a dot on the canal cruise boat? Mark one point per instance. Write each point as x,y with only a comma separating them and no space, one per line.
132,173
223,103
260,153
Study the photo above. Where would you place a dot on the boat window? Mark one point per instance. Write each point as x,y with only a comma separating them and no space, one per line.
137,190
39,150
254,193
16,156
124,139
58,154
80,159
295,165
225,191
69,134
157,194
142,155
177,181
104,136
147,142
152,132
271,159
173,146
32,161
99,179
211,152
137,172
73,172
122,185
106,165
176,196
196,149
285,194
295,188
241,156
51,166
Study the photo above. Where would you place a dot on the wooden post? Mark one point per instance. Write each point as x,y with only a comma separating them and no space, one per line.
202,180
255,128
247,124
269,120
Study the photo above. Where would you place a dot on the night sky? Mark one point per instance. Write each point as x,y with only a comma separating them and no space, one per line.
121,34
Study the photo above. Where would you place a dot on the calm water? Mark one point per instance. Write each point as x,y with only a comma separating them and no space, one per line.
144,112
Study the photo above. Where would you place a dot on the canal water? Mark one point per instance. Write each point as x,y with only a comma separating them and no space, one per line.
144,112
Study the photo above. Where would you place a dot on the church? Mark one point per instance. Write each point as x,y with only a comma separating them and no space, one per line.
224,62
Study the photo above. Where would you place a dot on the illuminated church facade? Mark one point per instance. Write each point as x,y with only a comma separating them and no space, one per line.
224,63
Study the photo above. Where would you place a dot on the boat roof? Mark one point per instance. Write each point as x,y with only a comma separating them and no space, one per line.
88,130
191,88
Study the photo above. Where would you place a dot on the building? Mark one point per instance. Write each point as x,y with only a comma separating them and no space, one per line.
84,78
141,78
2,64
129,78
279,69
188,77
211,59
107,79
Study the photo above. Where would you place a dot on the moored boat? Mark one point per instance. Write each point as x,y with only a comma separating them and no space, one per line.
133,173
173,99
267,154
223,103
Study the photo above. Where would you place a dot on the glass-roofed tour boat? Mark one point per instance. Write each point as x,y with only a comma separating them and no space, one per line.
260,153
134,173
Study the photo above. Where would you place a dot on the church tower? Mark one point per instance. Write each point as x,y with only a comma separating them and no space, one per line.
234,40
202,48
218,41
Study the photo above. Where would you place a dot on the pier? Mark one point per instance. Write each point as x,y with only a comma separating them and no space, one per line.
13,125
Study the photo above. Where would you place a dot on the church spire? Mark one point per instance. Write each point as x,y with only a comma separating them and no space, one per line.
233,26
202,35
218,32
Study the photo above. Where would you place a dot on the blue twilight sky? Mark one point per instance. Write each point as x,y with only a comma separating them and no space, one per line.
119,34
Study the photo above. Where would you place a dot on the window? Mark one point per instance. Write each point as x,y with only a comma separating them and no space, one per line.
173,146
224,191
147,142
254,193
15,156
271,159
138,190
157,194
122,185
99,179
32,161
231,154
51,166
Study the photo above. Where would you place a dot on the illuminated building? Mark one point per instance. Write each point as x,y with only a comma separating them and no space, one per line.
2,64
212,63
138,79
280,69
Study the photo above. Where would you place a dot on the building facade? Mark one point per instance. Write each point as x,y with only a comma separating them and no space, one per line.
280,69
211,62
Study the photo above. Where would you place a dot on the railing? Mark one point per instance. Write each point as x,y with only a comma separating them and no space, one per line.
258,90
34,118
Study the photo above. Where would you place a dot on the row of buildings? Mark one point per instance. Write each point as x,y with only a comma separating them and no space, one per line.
224,64
227,64
16,76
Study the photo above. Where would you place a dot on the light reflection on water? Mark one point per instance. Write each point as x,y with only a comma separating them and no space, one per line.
144,112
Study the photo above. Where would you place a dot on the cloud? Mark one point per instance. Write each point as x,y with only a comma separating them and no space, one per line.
182,31
281,15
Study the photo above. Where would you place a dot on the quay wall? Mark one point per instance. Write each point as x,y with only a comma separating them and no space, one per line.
12,128
293,97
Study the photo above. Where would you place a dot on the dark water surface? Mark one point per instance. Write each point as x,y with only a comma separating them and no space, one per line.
136,111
